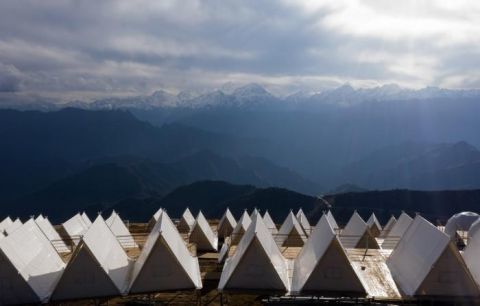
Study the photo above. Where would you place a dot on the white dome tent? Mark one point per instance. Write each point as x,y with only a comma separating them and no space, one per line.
471,253
460,222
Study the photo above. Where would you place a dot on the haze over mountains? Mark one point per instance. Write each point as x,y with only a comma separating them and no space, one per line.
102,153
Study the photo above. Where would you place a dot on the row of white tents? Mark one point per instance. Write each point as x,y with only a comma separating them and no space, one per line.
32,270
295,229
424,260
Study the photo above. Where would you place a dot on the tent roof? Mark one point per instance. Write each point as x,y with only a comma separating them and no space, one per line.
243,223
322,240
120,230
460,222
98,267
267,219
290,225
390,224
52,235
86,219
165,235
34,257
332,221
313,250
13,226
474,229
188,217
258,235
416,255
397,231
227,218
472,251
5,223
302,218
157,214
203,235
353,231
254,212
373,220
75,226
108,252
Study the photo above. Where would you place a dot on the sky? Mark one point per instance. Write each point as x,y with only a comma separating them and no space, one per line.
86,50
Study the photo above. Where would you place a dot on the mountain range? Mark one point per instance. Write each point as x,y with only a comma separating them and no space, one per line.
139,149
249,96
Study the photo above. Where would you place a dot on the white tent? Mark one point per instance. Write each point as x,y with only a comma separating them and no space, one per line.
165,262
374,225
323,266
13,227
121,231
460,222
186,222
154,219
356,234
86,219
254,213
291,233
397,231
99,266
272,227
75,227
52,235
202,235
474,229
5,223
302,218
227,224
426,263
242,225
222,255
332,221
29,266
388,227
257,262
471,253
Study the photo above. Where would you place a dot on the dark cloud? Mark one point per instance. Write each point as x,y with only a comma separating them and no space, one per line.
9,78
79,49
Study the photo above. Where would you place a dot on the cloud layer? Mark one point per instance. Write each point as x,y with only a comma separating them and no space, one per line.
83,50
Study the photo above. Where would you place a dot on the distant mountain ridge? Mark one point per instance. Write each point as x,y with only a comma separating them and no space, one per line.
249,96
107,182
418,166
254,96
